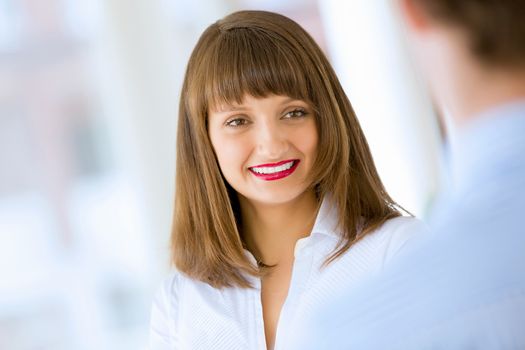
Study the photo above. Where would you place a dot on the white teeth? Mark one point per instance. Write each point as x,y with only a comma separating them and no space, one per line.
272,170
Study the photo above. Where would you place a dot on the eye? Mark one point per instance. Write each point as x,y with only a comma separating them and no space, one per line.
296,113
236,122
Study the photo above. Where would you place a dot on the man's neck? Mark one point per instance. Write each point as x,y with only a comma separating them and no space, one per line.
484,91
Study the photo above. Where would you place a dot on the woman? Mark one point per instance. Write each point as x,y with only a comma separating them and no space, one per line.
278,203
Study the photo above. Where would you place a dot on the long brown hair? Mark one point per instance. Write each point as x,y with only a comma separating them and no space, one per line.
261,53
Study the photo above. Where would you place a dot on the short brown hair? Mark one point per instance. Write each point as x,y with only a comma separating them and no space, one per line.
261,53
495,29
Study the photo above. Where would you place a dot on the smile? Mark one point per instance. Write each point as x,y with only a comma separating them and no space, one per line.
275,171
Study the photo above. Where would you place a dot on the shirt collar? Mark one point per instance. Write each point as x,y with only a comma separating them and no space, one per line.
327,218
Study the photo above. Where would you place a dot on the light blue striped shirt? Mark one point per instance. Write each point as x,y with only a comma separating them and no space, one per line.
463,286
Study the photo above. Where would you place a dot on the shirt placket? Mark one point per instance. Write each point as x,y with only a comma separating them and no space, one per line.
302,267
259,319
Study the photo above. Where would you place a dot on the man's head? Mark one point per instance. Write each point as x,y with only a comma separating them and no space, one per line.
465,46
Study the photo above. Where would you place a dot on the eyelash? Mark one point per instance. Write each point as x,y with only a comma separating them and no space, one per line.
301,111
238,122
232,122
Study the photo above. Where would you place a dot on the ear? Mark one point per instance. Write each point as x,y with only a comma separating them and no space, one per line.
413,15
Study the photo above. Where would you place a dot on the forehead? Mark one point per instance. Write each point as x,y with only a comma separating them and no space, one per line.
254,102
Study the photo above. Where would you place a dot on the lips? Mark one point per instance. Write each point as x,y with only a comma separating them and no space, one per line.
275,171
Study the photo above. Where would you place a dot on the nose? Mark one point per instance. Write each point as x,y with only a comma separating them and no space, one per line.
272,142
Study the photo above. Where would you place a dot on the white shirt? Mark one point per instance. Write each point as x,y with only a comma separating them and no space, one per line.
189,314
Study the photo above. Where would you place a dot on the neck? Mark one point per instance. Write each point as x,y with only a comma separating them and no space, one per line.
271,230
477,89
494,92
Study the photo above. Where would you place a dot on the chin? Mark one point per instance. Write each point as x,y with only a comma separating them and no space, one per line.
276,197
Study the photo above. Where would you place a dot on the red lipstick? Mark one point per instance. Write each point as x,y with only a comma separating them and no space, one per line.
268,172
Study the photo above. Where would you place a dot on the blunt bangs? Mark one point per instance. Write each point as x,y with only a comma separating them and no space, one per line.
250,61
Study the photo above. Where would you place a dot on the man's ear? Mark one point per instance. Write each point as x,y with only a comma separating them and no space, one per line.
414,16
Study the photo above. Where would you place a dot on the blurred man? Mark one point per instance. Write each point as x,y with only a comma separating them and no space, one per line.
463,287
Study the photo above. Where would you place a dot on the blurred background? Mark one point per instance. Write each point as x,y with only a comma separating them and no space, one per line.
88,107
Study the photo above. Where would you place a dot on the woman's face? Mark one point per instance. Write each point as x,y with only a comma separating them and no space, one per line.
265,146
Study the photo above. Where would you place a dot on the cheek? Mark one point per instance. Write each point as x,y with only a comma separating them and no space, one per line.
306,141
231,154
